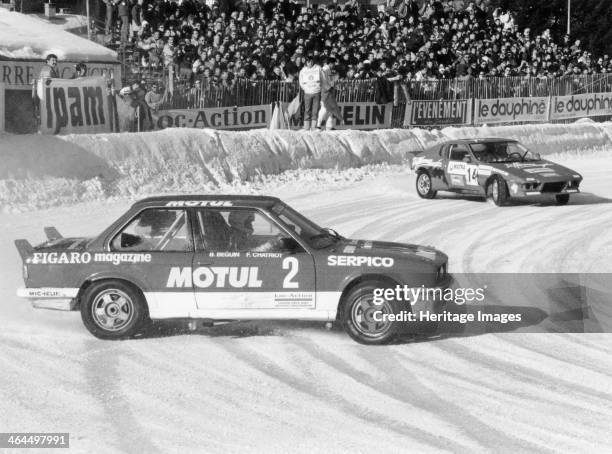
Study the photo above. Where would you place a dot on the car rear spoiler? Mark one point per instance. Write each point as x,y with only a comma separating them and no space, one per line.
24,248
52,233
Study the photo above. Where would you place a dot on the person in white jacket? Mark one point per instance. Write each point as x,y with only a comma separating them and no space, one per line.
310,82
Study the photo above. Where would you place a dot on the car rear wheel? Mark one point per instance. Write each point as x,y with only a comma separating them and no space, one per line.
113,310
424,185
497,190
365,321
562,199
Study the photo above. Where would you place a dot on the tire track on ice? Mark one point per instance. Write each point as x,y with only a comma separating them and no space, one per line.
425,400
320,392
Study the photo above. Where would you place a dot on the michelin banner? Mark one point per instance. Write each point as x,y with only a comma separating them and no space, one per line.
442,112
364,115
245,117
74,106
577,106
511,110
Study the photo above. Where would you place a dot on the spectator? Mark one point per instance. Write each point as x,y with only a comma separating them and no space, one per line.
329,106
110,9
123,9
310,83
80,71
48,71
154,98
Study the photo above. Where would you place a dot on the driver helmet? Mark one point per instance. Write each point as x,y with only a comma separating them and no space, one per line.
158,221
242,220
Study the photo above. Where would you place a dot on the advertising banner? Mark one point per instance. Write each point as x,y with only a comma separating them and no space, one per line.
577,106
509,110
364,115
22,72
75,106
245,117
356,115
440,112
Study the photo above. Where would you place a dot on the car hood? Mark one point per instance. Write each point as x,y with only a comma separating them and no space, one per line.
541,170
396,250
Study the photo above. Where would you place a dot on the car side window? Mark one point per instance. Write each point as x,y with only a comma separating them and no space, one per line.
155,229
238,230
458,152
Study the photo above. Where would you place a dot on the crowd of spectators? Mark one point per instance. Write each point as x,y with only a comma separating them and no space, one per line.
270,40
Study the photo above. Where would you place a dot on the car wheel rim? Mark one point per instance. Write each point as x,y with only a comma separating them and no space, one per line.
112,310
362,316
424,183
495,190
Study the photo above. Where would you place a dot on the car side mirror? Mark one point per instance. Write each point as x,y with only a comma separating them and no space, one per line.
129,240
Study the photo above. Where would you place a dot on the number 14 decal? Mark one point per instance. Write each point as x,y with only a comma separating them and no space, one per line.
471,174
292,264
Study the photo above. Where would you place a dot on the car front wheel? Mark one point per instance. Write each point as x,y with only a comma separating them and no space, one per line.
424,185
113,310
365,321
497,190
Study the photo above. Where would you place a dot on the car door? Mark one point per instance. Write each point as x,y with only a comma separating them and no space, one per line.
148,250
461,168
247,265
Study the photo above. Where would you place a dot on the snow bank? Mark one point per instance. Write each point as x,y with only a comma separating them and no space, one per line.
28,37
50,170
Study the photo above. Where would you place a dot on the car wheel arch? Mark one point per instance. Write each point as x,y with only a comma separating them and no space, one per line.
358,280
98,279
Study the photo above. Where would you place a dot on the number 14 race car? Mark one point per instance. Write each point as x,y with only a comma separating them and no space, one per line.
497,168
222,258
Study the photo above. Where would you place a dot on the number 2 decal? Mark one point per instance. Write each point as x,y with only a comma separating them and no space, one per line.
292,264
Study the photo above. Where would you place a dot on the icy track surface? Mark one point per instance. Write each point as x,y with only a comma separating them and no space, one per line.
296,387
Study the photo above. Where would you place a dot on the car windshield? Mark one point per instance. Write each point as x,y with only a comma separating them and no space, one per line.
315,236
501,152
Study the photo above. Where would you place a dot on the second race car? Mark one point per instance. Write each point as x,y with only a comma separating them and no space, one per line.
497,168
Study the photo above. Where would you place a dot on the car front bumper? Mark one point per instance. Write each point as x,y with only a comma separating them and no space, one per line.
62,299
548,188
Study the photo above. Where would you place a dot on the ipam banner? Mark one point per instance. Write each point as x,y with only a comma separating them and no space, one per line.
246,117
442,112
509,110
75,106
576,106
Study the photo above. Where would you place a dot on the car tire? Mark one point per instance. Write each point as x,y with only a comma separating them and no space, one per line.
114,310
424,185
562,199
358,312
497,190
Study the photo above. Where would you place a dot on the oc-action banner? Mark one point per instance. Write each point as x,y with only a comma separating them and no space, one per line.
75,106
243,117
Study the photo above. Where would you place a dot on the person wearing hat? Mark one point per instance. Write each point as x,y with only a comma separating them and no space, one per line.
310,82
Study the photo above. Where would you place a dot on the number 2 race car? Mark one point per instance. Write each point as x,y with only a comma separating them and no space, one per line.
496,168
223,258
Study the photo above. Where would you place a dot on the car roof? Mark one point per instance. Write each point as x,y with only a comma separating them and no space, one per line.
239,200
480,140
